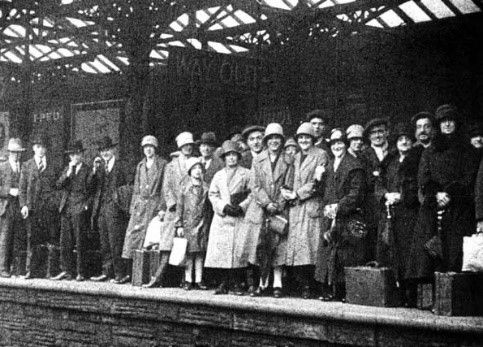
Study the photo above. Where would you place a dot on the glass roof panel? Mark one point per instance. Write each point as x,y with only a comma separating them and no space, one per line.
282,4
439,9
414,12
392,19
465,6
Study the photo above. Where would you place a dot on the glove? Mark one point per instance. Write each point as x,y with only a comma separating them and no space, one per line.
172,208
238,211
228,210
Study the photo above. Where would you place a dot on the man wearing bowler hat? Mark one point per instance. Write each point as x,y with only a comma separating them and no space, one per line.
109,176
76,184
10,219
37,203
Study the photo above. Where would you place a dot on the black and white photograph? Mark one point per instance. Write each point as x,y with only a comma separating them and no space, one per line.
215,173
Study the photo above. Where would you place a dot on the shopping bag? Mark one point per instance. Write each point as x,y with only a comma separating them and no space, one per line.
153,233
473,253
178,252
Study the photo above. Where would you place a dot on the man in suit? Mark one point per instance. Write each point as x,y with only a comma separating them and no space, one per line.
76,184
111,219
10,219
253,136
37,191
320,123
211,163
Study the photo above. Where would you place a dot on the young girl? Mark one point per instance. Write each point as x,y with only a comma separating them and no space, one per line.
190,222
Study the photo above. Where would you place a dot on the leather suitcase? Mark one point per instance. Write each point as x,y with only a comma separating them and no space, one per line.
458,294
371,286
140,268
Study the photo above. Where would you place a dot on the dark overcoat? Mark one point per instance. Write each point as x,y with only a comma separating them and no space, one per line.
344,187
446,166
479,193
397,177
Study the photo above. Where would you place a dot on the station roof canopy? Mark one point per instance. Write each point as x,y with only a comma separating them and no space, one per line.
94,36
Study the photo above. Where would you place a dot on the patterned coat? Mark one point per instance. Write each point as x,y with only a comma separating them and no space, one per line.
227,241
146,202
306,215
344,187
190,215
265,188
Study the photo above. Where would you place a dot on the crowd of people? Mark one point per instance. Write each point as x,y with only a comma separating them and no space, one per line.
264,213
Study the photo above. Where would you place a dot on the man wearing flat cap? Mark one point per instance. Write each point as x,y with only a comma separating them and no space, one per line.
376,132
36,191
76,183
320,123
211,162
253,136
11,224
107,212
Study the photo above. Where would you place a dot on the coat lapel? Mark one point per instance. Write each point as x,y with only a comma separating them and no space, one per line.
236,180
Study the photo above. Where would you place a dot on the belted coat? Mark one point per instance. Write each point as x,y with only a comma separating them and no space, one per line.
227,241
147,200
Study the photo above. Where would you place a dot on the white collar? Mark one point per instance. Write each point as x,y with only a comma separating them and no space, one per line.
38,160
14,164
110,164
381,151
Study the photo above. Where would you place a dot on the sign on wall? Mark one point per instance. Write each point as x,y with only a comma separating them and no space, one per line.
92,121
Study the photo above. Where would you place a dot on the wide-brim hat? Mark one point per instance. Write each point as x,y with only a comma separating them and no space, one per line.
250,129
39,139
374,123
447,111
324,115
184,138
305,129
149,140
230,146
423,115
273,129
15,145
105,143
354,131
208,138
75,146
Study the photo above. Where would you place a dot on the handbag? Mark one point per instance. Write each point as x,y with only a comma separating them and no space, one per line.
473,253
153,233
278,224
178,251
356,227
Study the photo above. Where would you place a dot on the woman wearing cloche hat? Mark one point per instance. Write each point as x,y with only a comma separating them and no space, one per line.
146,202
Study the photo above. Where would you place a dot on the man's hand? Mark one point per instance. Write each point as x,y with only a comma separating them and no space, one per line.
288,194
180,232
25,212
392,198
443,199
13,191
479,226
319,171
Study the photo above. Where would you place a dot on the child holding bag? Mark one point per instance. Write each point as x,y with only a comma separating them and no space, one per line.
190,222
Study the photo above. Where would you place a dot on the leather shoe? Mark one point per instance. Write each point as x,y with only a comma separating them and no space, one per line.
237,290
28,276
306,292
152,284
277,292
125,279
222,289
100,278
62,276
201,285
5,274
187,286
257,292
80,278
326,297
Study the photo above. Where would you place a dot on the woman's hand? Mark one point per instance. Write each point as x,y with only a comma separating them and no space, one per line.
180,232
443,199
288,194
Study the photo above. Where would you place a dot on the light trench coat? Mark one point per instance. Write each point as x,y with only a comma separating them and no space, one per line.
265,187
227,240
306,215
146,202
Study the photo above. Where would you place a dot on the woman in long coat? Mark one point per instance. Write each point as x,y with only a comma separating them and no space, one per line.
339,245
267,248
229,196
397,194
306,209
147,200
446,177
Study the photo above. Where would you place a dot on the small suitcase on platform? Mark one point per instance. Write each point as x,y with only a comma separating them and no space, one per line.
458,294
140,268
371,286
154,257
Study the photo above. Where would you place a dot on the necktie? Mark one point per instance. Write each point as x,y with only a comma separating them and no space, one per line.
41,166
107,167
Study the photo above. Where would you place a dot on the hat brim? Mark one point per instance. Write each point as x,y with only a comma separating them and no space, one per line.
16,150
71,151
266,137
252,129
211,143
222,155
112,145
307,134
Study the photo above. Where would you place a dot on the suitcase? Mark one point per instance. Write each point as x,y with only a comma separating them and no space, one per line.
458,294
154,257
425,296
140,268
371,286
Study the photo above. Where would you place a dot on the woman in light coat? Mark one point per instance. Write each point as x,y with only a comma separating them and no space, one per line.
229,196
147,200
306,208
